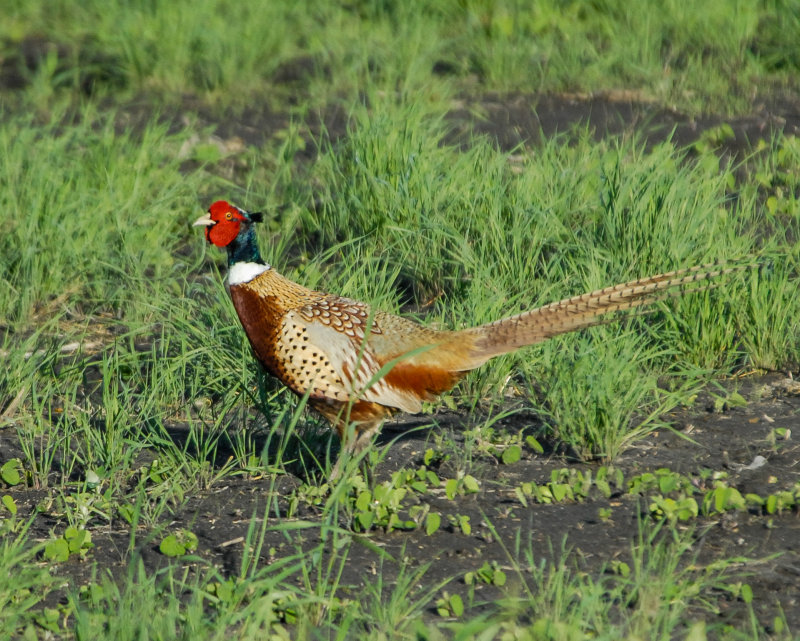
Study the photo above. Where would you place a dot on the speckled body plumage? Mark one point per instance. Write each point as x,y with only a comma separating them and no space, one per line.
359,365
331,348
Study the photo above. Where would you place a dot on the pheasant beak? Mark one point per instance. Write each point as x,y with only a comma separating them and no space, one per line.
204,221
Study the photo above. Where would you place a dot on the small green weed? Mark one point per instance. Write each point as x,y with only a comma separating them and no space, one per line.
178,543
12,472
450,605
489,573
74,542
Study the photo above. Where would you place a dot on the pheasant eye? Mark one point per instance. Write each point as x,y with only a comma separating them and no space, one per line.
229,216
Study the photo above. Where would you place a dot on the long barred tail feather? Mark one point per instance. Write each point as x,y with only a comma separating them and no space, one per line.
586,310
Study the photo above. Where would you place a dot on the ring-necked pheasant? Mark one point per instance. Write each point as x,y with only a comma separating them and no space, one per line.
358,365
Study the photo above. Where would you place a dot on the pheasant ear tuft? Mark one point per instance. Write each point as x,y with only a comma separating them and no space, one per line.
256,217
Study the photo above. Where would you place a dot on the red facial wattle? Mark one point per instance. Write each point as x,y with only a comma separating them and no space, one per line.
222,223
222,233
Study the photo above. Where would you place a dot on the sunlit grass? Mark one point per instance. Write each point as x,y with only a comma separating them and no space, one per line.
23,583
93,214
657,591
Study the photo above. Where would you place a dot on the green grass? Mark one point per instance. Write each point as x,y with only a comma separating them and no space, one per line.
24,584
650,597
116,333
696,57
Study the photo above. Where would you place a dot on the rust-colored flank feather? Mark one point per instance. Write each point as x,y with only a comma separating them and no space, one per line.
359,366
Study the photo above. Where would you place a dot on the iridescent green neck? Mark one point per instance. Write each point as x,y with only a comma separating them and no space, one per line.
244,248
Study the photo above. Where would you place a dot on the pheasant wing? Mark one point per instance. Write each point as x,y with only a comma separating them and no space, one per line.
328,350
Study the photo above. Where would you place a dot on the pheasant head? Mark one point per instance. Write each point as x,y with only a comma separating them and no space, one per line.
230,227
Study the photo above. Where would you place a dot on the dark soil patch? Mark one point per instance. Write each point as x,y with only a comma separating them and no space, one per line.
512,121
82,66
525,120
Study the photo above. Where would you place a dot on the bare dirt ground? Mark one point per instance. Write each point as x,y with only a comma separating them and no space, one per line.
721,439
